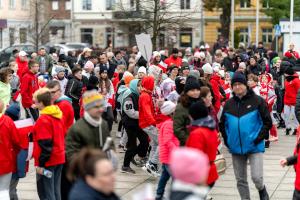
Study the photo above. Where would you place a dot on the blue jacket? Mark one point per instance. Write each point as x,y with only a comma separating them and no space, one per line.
245,123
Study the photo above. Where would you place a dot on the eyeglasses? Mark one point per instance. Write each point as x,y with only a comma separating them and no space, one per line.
53,92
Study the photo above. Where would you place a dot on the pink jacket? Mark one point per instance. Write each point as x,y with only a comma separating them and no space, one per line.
166,140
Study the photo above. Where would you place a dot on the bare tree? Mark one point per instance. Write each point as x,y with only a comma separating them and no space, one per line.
39,29
156,16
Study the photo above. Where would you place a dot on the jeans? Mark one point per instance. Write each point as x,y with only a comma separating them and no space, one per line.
165,176
153,134
13,187
22,163
49,188
240,171
132,149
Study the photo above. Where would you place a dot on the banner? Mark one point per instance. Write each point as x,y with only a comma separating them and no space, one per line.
144,44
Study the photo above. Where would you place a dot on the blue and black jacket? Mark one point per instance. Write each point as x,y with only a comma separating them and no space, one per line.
245,123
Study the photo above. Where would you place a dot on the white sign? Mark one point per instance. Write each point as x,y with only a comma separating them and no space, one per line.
285,26
144,44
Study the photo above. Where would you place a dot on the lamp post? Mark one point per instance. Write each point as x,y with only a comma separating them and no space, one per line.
257,22
291,19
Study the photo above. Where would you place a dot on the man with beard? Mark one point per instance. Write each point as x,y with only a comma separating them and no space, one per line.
174,59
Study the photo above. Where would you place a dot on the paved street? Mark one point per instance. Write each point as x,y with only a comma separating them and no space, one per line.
279,181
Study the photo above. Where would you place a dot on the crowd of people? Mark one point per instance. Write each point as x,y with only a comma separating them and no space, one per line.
173,113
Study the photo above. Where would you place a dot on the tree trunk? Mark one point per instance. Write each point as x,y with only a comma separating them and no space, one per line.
155,23
36,18
225,19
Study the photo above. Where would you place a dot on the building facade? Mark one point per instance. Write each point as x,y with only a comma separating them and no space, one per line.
14,22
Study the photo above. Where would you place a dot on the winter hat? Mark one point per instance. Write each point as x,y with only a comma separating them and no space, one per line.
238,77
22,53
185,66
133,86
59,69
216,67
198,110
127,79
93,82
207,69
191,83
103,69
189,165
199,54
174,50
148,83
89,65
142,70
179,85
155,71
91,98
167,108
289,71
155,54
195,73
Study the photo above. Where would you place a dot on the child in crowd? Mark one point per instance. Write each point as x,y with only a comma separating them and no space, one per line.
254,84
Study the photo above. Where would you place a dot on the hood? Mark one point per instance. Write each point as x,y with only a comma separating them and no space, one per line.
207,122
164,119
148,83
53,111
63,97
123,92
133,86
216,77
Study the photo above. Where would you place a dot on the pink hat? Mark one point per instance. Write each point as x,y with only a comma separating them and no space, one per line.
89,65
189,165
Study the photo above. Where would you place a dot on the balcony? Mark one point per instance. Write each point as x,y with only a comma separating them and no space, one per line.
140,15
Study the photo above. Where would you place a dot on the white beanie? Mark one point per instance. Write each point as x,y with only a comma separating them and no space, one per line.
156,53
199,54
142,70
168,108
222,73
216,67
207,69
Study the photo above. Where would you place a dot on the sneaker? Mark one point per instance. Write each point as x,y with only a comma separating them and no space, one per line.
287,131
151,169
127,170
139,162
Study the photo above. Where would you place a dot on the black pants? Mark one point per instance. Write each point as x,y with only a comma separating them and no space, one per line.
134,132
109,117
296,195
66,185
76,109
32,113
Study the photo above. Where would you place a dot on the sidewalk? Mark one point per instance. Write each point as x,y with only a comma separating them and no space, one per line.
279,181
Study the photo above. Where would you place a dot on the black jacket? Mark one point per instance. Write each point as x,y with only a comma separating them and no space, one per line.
110,70
82,191
256,69
131,104
74,89
230,64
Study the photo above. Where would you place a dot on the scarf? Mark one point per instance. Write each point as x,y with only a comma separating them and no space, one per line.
208,122
95,123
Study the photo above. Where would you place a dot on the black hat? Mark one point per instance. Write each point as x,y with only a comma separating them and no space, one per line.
179,85
185,66
93,82
289,71
238,77
103,69
191,83
174,50
198,110
172,67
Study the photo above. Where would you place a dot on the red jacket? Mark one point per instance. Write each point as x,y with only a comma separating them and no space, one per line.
68,113
173,61
9,145
22,67
206,140
291,89
49,126
29,84
146,107
215,84
167,141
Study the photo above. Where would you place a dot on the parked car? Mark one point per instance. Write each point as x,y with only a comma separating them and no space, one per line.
6,53
78,46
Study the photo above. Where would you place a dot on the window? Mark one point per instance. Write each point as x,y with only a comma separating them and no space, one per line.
110,4
185,4
23,35
24,4
87,35
245,3
186,37
68,5
244,35
266,4
86,4
12,4
54,5
267,35
11,36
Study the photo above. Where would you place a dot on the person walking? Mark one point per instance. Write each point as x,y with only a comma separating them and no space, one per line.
49,146
246,140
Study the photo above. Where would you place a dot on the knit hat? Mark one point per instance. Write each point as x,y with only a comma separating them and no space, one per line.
207,69
93,82
179,85
167,108
238,77
91,98
59,69
198,110
142,70
199,54
189,165
155,54
89,65
289,71
191,83
195,73
216,67
185,66
103,69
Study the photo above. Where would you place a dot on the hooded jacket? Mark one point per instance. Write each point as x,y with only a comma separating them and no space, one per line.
29,84
65,105
204,137
291,89
146,107
215,84
49,138
10,145
22,67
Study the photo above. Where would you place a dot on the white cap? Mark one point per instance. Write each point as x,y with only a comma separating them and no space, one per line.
87,49
207,69
142,70
22,53
168,108
216,67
